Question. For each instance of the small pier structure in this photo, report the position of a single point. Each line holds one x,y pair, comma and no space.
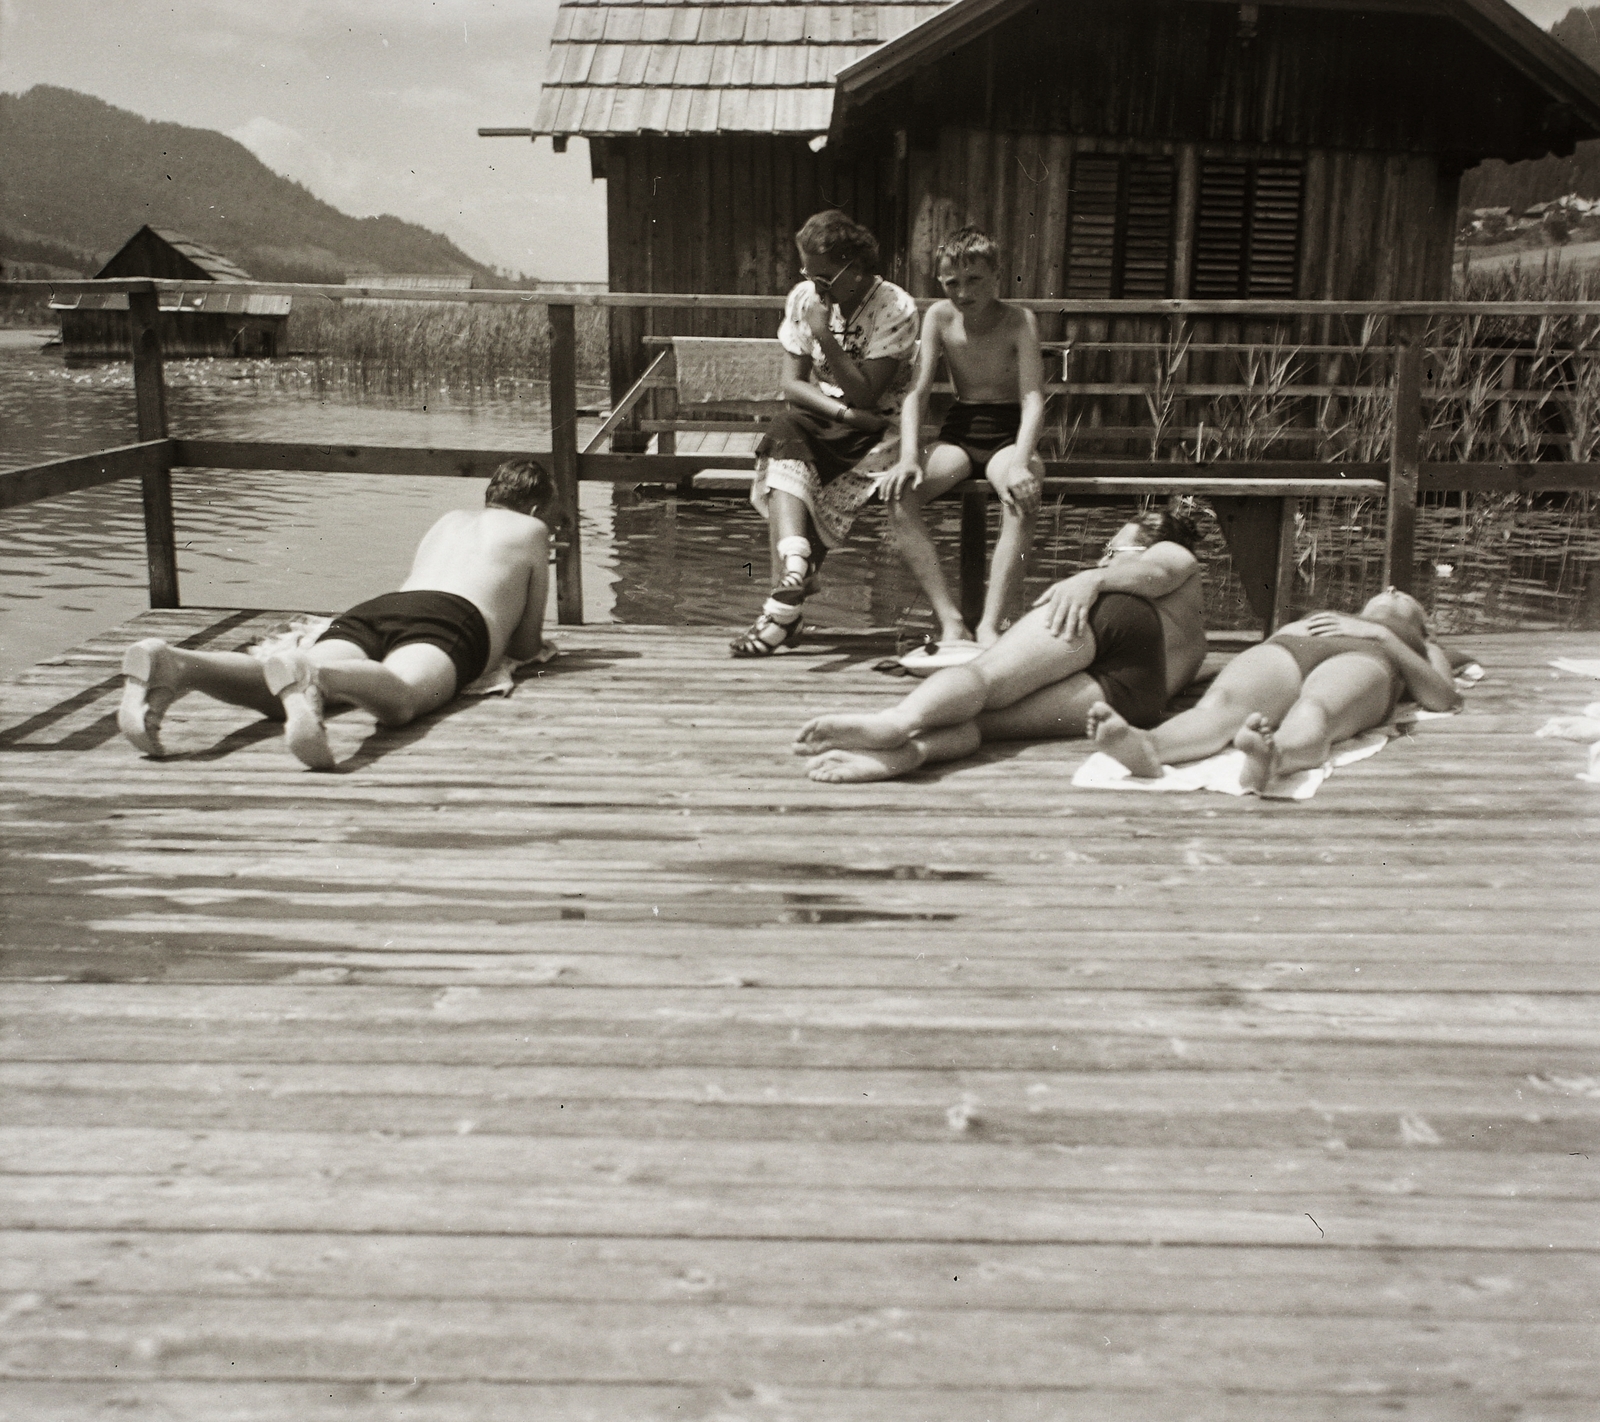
573,1056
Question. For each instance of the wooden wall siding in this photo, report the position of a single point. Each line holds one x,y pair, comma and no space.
718,214
1323,79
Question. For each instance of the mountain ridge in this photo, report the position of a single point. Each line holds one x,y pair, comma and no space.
79,176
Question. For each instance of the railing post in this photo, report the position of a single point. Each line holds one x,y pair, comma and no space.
974,549
1400,538
564,462
1285,566
149,388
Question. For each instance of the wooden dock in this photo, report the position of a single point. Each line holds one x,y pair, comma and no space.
574,1057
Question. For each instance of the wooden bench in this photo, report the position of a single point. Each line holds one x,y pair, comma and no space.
723,391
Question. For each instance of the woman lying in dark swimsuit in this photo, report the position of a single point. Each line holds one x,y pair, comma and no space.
1285,702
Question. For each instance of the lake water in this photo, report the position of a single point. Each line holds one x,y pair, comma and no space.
74,566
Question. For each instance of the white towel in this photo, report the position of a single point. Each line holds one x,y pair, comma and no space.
1580,666
1220,772
304,630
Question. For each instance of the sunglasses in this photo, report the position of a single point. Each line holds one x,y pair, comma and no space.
825,284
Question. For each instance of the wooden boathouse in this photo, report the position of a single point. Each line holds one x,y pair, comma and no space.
1143,148
94,325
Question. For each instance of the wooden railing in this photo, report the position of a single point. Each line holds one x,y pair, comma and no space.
1255,497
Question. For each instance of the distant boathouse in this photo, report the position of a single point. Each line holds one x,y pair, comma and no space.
219,323
1118,148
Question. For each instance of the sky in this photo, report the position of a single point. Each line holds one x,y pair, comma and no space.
372,104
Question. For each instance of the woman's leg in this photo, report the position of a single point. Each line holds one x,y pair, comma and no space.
1058,712
1341,698
945,467
1009,565
1028,657
854,766
1263,679
788,525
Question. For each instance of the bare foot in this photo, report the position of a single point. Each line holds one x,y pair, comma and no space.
954,632
1260,752
987,636
854,767
848,731
1123,743
292,678
152,686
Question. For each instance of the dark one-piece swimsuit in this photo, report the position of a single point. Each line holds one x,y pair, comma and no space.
1311,652
1130,658
443,620
981,430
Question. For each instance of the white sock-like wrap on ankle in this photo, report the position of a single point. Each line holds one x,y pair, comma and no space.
796,554
782,613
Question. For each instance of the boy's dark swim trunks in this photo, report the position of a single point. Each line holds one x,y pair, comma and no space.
1130,658
443,620
981,430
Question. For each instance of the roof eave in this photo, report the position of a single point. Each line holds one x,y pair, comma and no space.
1533,51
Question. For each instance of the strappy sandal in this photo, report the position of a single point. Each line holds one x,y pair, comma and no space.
754,642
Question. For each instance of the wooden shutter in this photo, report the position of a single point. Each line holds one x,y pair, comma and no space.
1274,231
1147,238
1247,230
1120,229
1219,231
1092,227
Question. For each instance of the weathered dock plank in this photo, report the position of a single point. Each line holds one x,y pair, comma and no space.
573,1056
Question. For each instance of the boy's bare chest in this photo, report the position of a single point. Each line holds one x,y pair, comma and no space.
980,352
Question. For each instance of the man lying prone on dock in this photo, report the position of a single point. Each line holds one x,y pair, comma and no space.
476,592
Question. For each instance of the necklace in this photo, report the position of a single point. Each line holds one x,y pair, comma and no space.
865,297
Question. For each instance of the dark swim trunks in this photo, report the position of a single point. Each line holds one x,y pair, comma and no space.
1312,652
1130,659
980,431
443,620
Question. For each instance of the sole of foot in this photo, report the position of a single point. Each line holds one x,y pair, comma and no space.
1125,744
839,767
1260,752
149,690
845,732
292,678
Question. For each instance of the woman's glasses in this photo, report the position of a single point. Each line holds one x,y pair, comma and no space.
824,285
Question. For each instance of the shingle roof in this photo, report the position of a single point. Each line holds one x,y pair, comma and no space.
212,263
709,66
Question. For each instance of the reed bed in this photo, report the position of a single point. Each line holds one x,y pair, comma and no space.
398,347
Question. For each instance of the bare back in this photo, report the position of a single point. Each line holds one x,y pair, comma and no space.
983,352
495,558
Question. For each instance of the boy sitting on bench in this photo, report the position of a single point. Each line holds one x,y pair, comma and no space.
992,351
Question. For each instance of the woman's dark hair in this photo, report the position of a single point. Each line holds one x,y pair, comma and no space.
523,486
832,234
1179,524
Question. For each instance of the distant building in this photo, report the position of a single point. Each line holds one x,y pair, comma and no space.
221,323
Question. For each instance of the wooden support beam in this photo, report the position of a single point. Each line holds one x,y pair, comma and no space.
83,471
1405,457
564,462
1284,573
974,549
150,401
409,460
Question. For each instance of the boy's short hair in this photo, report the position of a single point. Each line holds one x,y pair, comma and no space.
970,244
523,486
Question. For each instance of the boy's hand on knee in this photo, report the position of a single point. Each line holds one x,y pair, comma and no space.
1019,492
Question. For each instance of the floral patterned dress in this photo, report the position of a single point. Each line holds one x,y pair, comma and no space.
830,467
